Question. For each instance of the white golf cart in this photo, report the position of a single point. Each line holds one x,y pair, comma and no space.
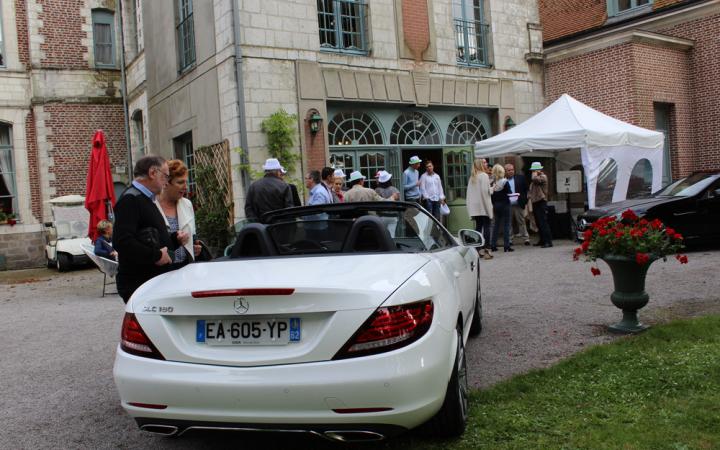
67,233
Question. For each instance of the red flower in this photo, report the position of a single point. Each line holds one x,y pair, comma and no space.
683,259
585,245
678,236
619,234
595,271
670,231
642,258
578,250
656,224
603,232
630,215
11,222
587,234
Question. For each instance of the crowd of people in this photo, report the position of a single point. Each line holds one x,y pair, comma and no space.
154,230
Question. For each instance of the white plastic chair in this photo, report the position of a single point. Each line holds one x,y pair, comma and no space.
108,267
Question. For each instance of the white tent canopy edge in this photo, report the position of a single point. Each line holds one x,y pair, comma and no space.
568,124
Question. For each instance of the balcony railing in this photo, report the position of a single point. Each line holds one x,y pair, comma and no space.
472,41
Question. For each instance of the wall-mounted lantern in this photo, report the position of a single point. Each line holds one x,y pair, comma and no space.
315,120
509,123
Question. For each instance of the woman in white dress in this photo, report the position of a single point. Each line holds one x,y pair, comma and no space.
479,203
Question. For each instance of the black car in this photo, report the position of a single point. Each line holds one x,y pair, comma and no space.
691,206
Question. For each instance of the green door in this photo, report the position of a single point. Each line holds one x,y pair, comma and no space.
456,172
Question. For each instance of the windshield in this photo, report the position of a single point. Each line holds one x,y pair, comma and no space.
359,227
688,187
70,221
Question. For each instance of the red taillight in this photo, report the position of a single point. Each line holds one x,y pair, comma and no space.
389,328
133,339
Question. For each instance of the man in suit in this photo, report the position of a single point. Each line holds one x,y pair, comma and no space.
518,200
136,215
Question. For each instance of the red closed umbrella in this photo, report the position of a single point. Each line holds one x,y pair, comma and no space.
99,194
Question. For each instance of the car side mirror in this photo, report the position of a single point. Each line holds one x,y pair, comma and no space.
471,238
716,193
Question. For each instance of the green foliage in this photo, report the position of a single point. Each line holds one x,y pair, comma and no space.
213,215
657,390
280,129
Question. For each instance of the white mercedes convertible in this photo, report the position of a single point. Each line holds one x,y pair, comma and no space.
347,321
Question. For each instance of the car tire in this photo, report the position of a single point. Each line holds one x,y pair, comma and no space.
476,324
452,418
63,262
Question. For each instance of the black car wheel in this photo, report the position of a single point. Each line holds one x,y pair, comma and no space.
63,262
451,420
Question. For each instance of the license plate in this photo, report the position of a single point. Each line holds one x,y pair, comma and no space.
248,332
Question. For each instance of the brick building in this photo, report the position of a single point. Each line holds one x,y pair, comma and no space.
653,63
59,82
387,79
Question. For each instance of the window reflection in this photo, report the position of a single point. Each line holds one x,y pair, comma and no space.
606,182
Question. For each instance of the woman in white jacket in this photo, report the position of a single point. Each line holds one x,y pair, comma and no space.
178,212
479,202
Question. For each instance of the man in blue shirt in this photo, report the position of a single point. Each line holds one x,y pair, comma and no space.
319,192
411,181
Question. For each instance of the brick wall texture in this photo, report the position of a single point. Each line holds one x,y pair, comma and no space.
626,80
562,18
33,166
315,145
416,28
71,128
62,30
21,23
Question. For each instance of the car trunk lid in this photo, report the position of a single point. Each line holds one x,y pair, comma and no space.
267,311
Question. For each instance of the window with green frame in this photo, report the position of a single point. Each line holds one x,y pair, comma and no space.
104,37
183,148
616,7
342,25
185,34
471,32
7,171
368,162
457,167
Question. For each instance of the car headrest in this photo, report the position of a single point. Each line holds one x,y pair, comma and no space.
368,234
252,241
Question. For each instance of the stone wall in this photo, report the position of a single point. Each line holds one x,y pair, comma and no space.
22,250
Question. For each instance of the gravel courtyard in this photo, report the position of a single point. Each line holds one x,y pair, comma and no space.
59,339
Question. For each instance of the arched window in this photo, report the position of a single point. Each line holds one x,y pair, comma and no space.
640,184
7,171
414,128
606,182
465,129
354,128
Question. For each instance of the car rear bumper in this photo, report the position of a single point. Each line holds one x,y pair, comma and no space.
411,381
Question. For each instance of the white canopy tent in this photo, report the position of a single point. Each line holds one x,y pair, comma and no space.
568,124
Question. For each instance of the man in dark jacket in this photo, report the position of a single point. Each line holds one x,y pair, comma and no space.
269,193
518,200
141,237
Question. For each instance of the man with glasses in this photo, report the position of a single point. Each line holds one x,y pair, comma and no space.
141,237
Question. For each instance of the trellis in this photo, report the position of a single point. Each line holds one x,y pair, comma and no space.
214,193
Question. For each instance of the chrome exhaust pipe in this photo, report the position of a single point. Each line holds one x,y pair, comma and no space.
161,430
353,436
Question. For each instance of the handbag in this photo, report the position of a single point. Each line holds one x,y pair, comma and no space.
445,209
205,254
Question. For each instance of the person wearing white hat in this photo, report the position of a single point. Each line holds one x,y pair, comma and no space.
411,180
385,188
538,196
269,193
359,193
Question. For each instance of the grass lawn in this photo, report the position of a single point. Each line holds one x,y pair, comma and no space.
657,390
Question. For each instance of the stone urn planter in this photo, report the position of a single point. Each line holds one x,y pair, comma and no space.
629,294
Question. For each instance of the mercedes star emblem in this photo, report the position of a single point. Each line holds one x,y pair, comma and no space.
241,305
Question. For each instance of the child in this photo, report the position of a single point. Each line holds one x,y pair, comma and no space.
103,244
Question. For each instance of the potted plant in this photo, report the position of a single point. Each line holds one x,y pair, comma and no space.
629,244
7,218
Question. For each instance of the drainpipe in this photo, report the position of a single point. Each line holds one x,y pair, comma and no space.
123,90
240,85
